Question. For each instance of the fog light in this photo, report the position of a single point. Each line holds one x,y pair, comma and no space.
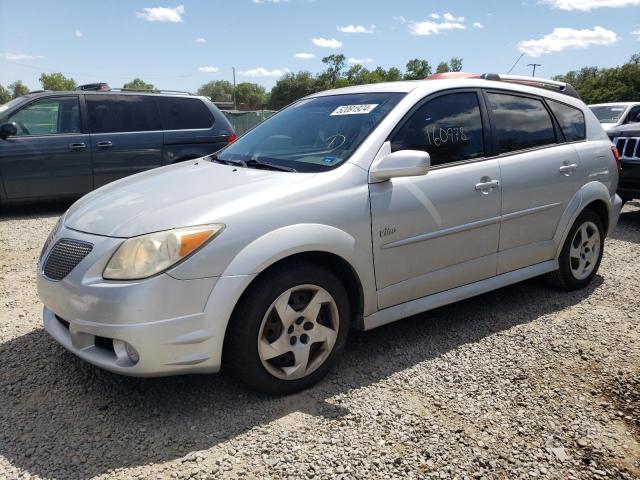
132,353
126,354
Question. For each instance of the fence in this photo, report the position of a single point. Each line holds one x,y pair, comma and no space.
245,121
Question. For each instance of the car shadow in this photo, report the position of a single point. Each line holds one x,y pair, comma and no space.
63,418
23,211
628,223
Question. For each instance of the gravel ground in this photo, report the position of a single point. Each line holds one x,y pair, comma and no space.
523,382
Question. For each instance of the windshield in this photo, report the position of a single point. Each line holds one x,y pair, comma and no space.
6,106
608,113
315,134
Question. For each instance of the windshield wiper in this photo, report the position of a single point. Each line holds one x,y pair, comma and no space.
272,166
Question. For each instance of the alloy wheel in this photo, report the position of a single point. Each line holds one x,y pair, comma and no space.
585,250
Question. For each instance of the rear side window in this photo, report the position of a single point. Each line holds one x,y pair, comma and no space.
520,122
122,113
50,116
571,120
184,113
448,127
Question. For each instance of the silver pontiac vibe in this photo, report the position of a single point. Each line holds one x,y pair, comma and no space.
350,208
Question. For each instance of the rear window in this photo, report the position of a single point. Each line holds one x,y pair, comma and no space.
608,113
520,122
122,113
571,120
184,113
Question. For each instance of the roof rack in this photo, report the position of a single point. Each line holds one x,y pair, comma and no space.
554,85
155,90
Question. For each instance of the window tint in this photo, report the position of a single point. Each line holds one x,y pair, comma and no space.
184,113
634,115
122,113
48,117
520,122
571,120
449,128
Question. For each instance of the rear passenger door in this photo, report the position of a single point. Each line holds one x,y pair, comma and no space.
126,135
539,177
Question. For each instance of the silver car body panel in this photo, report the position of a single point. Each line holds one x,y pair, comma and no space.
414,243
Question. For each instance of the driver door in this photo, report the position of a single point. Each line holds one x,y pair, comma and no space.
50,156
438,231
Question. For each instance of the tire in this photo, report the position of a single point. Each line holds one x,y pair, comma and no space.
291,313
575,254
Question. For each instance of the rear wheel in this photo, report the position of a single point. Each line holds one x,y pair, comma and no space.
581,254
289,329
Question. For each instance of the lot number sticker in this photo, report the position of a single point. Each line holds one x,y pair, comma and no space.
354,109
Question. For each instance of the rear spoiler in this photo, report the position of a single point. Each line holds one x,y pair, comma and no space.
560,87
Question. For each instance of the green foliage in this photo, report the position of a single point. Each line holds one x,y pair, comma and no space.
57,82
335,65
417,69
5,95
251,94
291,87
138,84
217,91
443,67
455,64
598,85
18,89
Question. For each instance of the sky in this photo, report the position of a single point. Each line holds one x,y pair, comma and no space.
182,44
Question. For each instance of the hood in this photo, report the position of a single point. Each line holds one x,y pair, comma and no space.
628,130
181,195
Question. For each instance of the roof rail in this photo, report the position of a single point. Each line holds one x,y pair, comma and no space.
155,90
554,85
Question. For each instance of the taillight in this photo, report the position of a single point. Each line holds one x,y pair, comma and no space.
232,138
616,155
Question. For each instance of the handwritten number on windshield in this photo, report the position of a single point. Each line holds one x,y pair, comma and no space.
439,136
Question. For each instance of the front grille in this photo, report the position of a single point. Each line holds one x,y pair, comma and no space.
65,255
628,147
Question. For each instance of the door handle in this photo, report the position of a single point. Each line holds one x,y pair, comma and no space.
486,185
567,170
77,146
105,144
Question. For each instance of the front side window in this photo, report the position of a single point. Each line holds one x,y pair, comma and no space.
184,113
51,116
520,122
448,127
122,113
571,120
633,116
314,134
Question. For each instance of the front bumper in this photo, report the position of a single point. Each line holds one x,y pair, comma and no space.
163,318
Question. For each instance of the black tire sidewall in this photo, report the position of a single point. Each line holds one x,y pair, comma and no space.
566,274
242,346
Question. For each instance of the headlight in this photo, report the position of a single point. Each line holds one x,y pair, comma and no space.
147,255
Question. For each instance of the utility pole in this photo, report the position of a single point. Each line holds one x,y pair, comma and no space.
235,107
534,65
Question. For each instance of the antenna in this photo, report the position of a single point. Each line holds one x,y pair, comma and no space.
516,62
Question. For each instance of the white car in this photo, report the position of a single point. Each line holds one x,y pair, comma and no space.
350,208
613,114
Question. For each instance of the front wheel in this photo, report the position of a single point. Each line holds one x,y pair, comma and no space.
289,329
581,254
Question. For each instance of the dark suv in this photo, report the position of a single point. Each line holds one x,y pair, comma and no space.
65,144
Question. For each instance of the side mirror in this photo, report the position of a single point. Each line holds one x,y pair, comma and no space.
403,163
8,130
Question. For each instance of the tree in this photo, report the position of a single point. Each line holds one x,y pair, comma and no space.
57,82
455,64
217,91
335,65
291,87
5,95
417,69
251,94
443,67
393,75
138,84
18,89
